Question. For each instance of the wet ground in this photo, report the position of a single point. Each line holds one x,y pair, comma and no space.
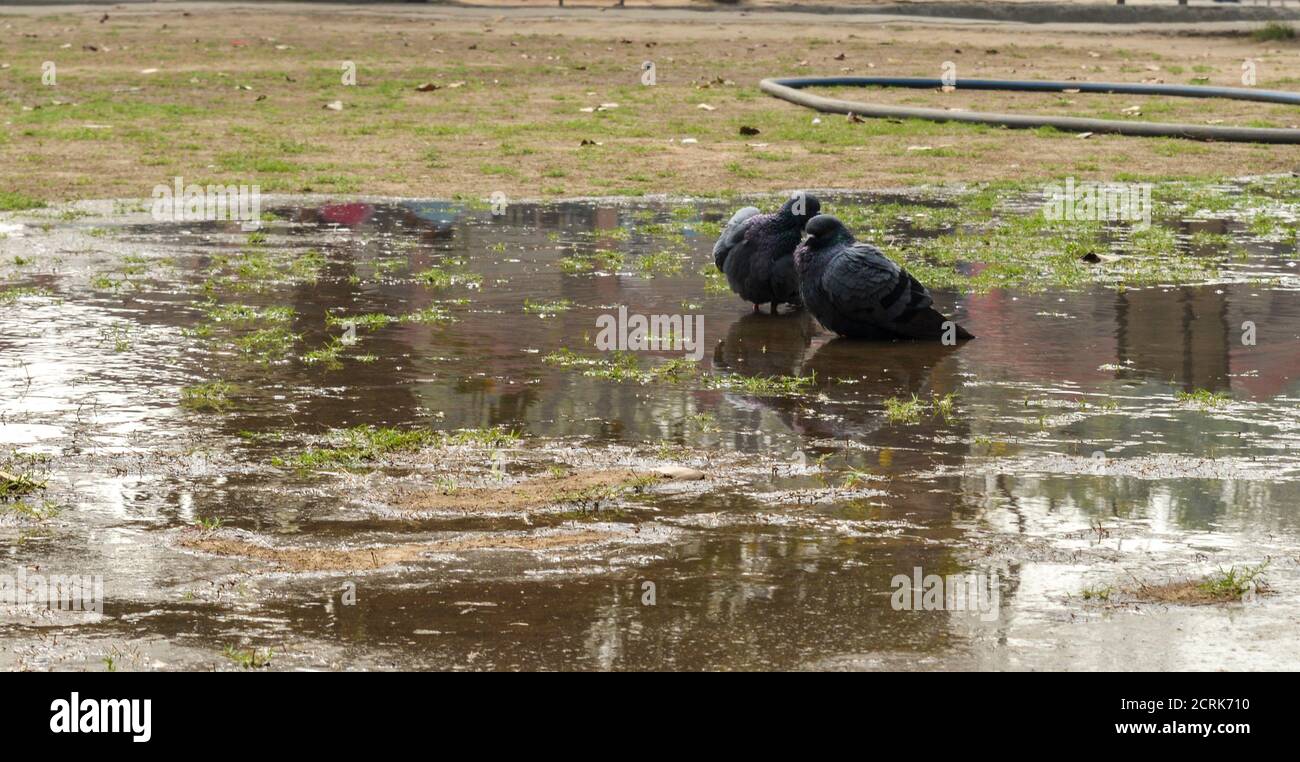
188,394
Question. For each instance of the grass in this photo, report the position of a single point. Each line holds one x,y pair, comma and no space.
432,314
403,142
118,335
626,367
547,309
939,237
1229,585
760,386
1274,31
14,486
1203,398
444,277
899,410
593,501
213,396
362,445
262,436
21,477
618,366
257,270
12,201
715,282
856,478
1233,583
248,658
944,406
330,355
243,315
603,260
44,511
12,295
1016,251
663,262
590,507
907,411
371,321
489,437
990,445
268,344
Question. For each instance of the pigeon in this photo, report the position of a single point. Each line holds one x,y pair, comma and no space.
756,251
856,291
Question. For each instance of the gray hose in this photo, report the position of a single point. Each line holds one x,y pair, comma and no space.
789,89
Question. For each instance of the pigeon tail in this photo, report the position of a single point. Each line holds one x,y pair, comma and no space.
930,324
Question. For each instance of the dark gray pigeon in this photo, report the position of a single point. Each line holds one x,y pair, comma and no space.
856,291
756,251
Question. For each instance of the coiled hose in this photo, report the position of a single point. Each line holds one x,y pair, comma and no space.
788,88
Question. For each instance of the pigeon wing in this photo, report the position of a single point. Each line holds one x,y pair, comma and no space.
866,286
871,289
733,235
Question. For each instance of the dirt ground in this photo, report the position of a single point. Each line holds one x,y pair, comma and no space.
360,559
547,105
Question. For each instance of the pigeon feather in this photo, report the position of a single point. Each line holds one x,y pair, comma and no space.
854,290
756,251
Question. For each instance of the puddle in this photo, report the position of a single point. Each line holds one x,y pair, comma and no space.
326,437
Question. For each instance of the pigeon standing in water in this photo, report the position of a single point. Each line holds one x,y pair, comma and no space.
856,291
756,251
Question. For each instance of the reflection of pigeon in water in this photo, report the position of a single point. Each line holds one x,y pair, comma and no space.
856,291
756,345
756,251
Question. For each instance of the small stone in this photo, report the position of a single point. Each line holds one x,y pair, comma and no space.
679,473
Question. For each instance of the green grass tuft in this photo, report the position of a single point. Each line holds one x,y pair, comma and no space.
1234,582
1274,31
11,201
362,445
214,396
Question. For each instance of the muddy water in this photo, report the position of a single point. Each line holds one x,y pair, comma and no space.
1067,462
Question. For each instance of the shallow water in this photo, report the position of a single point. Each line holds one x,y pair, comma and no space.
1066,463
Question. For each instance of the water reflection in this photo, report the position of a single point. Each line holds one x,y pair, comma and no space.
748,581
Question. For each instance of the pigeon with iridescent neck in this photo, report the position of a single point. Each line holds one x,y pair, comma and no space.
756,251
854,290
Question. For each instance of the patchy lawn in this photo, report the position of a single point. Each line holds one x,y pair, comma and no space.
515,104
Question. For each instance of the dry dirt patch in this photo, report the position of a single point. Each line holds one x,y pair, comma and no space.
539,492
377,557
